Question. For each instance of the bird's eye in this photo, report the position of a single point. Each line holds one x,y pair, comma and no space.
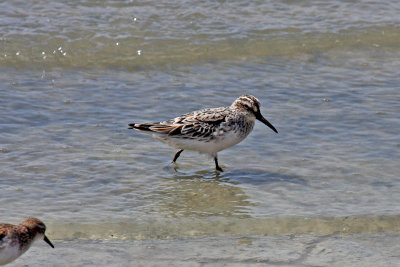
251,108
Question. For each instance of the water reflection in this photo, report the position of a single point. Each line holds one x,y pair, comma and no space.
260,177
209,193
203,193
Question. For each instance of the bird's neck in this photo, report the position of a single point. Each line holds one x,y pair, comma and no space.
26,237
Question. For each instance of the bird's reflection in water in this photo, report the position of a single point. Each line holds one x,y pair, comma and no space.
203,193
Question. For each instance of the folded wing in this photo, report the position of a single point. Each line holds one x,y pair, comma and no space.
195,125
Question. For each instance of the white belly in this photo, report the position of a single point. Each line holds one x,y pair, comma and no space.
9,253
211,147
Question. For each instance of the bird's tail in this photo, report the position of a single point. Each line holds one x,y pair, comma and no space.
156,127
140,126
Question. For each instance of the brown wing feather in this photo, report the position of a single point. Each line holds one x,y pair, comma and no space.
197,124
4,231
156,127
200,124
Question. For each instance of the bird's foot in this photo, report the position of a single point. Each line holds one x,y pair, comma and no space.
218,168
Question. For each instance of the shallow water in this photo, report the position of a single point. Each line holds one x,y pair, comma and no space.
73,75
371,249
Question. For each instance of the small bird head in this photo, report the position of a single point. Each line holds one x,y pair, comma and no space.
38,228
252,105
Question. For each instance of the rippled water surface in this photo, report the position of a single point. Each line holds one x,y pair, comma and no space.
73,75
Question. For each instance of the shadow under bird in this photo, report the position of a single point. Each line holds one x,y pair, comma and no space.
15,240
208,131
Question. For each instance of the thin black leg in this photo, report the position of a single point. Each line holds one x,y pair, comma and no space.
177,154
216,165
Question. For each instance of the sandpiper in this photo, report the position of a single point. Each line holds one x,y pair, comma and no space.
208,130
15,240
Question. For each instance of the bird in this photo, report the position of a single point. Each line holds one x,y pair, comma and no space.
15,240
208,131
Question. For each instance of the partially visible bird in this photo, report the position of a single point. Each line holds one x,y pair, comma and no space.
15,240
208,131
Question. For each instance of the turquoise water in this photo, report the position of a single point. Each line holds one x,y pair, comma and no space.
73,75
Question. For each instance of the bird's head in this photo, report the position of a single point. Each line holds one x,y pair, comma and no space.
251,104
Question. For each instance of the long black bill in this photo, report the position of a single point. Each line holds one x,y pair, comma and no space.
264,120
48,241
